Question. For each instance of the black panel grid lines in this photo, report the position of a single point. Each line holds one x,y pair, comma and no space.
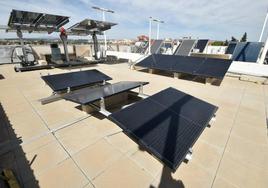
89,95
60,82
197,66
167,124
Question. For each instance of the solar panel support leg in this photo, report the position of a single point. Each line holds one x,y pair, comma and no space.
54,97
141,94
188,156
209,80
151,71
213,119
102,108
177,75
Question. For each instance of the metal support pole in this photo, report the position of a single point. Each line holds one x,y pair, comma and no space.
104,34
96,45
263,27
20,35
150,31
157,35
264,52
65,47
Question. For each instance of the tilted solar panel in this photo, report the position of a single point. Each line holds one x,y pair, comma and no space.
201,44
185,47
247,51
156,46
89,95
166,124
60,82
231,47
199,66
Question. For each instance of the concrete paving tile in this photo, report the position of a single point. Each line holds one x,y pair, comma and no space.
78,136
123,173
221,183
41,159
95,159
253,133
122,142
248,152
206,155
104,126
187,175
64,175
242,175
147,162
217,134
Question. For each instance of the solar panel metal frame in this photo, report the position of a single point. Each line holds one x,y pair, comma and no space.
35,22
89,26
86,96
74,79
138,122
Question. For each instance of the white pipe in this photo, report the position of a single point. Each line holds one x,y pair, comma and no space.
263,27
157,35
264,52
150,30
104,34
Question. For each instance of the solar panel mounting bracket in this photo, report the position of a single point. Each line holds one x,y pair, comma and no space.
188,156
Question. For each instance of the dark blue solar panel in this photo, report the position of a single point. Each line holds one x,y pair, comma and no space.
200,66
60,82
201,44
167,124
215,68
156,45
247,51
231,47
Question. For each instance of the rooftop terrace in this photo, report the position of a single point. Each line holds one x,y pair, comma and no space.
58,145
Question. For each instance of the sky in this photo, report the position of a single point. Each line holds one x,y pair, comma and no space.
212,19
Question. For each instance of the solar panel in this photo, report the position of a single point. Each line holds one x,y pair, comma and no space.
89,95
213,67
156,46
247,51
185,47
167,124
88,26
231,47
35,22
60,82
199,66
201,44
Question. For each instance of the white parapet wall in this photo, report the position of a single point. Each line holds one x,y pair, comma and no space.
246,68
133,57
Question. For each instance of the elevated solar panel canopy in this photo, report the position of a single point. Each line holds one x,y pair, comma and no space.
35,21
88,27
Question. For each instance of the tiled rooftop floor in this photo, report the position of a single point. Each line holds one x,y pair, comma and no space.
94,152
